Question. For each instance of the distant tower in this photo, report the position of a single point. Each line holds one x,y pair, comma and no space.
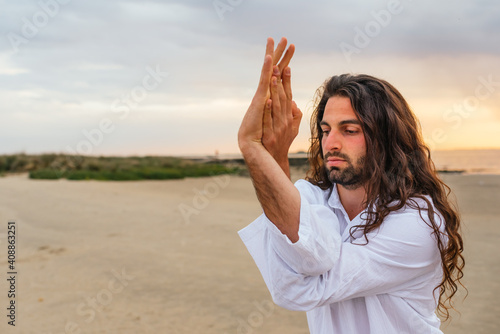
216,155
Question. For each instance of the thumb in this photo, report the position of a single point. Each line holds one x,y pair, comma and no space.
296,113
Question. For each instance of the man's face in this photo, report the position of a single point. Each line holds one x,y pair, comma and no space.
343,143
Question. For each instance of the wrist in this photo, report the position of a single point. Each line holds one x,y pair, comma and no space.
282,159
250,148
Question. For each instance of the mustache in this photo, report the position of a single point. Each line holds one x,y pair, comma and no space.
338,155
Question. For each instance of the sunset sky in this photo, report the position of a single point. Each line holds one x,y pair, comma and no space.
158,77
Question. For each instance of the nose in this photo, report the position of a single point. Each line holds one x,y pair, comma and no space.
332,142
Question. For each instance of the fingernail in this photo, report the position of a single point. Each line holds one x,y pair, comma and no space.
288,71
274,80
276,70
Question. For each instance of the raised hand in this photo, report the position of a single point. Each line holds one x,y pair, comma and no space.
273,119
282,116
250,132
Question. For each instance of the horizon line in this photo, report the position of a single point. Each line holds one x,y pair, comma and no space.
221,155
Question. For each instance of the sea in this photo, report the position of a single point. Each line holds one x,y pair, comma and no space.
470,161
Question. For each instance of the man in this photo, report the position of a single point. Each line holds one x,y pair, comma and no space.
369,243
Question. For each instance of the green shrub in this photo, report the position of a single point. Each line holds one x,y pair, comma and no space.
207,170
55,166
48,174
160,174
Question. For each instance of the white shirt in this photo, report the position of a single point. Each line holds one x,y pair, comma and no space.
345,286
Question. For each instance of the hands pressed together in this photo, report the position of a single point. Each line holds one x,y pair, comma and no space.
273,118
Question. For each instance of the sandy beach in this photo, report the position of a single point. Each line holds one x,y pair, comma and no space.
165,257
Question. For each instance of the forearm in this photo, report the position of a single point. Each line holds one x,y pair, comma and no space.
285,166
277,195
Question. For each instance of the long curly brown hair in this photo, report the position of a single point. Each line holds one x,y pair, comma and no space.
398,167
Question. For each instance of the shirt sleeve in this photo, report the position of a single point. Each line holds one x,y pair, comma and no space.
319,242
320,269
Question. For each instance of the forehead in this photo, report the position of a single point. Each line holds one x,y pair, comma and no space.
338,109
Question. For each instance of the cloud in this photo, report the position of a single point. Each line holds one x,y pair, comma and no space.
65,78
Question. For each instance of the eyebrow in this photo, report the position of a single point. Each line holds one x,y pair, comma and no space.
344,122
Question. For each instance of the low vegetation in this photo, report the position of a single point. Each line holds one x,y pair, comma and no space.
56,166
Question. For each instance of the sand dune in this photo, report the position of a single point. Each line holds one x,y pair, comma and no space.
164,257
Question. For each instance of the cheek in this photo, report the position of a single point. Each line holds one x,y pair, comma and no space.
323,140
360,145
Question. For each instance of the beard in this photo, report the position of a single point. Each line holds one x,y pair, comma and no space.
351,176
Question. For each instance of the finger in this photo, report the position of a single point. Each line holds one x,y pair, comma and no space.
265,77
286,58
270,46
297,117
279,50
267,122
276,107
281,112
284,103
287,84
287,92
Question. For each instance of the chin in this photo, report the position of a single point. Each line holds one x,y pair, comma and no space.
329,169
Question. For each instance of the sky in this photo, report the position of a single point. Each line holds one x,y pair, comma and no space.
150,77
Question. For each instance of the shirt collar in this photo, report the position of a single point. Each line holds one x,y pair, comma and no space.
335,203
334,200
